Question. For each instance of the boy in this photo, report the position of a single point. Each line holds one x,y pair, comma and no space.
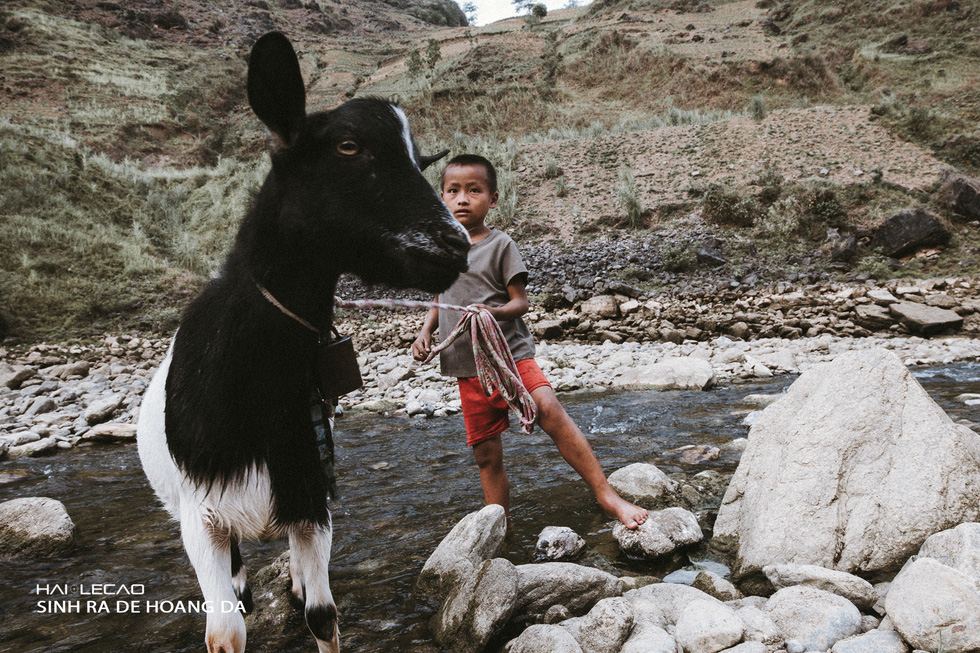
496,281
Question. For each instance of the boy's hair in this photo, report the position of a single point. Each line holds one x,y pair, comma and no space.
472,160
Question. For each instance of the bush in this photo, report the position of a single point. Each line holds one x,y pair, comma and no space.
824,208
629,198
757,108
726,207
678,257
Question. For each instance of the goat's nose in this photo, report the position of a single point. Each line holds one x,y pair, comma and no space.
455,240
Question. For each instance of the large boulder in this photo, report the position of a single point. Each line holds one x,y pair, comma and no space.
476,538
908,231
602,306
605,627
856,590
670,374
935,599
662,604
852,470
664,532
576,587
874,641
708,627
35,527
925,320
811,619
962,196
544,638
478,609
558,543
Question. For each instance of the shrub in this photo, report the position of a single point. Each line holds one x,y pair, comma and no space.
824,208
629,198
726,207
552,170
678,256
757,108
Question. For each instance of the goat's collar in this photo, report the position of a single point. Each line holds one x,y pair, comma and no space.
275,302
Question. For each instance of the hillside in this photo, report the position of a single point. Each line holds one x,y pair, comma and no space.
127,152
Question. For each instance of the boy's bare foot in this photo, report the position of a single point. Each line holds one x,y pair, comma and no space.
619,508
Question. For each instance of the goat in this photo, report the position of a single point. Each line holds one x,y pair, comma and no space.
225,432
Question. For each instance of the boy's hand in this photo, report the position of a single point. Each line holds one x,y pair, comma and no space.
492,309
422,346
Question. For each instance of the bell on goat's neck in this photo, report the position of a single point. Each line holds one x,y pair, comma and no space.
337,368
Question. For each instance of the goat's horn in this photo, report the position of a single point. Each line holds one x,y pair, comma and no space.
426,161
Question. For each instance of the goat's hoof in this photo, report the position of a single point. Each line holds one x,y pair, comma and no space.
226,637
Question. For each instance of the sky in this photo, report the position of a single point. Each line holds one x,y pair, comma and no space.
488,11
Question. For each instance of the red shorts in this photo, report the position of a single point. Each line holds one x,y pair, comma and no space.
486,416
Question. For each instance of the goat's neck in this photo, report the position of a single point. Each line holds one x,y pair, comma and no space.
310,297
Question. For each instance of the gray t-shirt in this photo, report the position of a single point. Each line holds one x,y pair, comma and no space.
494,263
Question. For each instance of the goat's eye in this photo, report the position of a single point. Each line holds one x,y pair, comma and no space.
348,148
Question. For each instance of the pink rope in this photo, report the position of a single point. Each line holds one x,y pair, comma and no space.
495,364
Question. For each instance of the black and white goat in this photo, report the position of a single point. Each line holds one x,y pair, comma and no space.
225,432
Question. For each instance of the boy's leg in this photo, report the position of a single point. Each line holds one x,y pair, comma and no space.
489,456
575,449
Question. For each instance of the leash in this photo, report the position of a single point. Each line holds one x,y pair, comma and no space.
495,364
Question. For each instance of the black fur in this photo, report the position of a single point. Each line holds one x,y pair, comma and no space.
239,384
322,621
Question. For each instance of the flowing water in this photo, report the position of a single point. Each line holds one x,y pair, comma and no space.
404,484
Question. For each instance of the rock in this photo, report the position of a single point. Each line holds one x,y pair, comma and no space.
4,448
716,586
543,638
661,604
811,619
274,620
393,378
548,329
578,588
103,409
35,527
856,590
759,626
40,405
908,231
662,533
558,543
478,609
958,548
12,378
873,316
875,641
669,374
600,307
477,537
643,484
934,606
111,432
708,627
33,449
925,320
747,647
380,406
961,195
649,638
604,628
696,454
852,470
881,296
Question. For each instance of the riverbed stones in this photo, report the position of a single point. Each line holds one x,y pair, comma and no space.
663,533
40,447
111,432
962,196
933,605
576,587
13,377
544,638
558,543
708,627
476,538
670,374
714,585
873,316
35,527
644,484
759,626
477,609
601,306
852,470
103,409
874,641
925,320
856,590
811,619
647,637
604,628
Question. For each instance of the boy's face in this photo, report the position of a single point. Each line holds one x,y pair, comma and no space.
466,192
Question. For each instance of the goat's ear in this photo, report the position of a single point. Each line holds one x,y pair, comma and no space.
275,88
426,161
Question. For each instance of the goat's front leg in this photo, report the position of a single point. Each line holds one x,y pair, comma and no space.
309,557
209,549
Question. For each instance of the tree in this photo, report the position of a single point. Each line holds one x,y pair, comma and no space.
469,9
433,54
414,64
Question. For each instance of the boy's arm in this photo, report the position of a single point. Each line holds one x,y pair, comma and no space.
423,343
515,307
